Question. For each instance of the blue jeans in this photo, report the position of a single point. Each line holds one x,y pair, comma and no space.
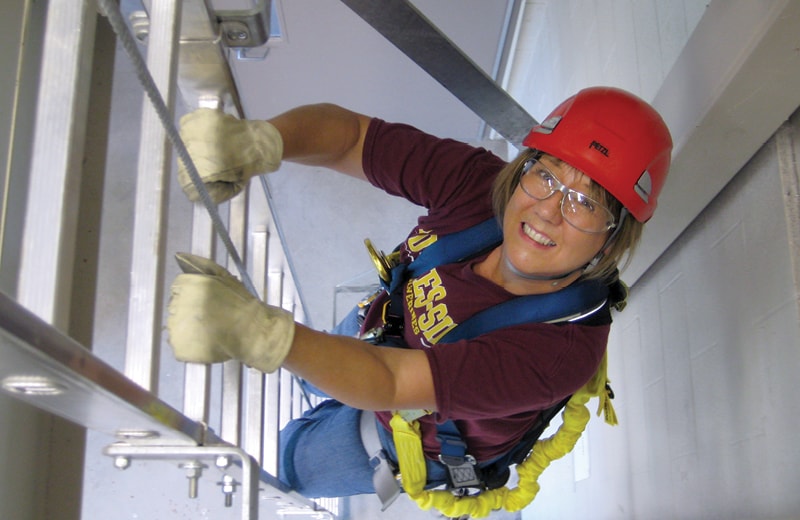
322,454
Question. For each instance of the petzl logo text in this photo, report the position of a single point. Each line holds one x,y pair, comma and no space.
599,147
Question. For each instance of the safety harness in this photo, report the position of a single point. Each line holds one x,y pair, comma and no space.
531,455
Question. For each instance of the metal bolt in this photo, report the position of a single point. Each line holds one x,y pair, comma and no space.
33,385
194,470
228,489
236,31
136,434
140,24
222,461
122,462
237,35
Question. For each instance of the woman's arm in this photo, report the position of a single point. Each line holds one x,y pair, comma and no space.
227,152
324,135
360,374
212,317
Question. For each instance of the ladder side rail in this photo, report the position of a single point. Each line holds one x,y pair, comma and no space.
270,444
308,400
275,276
272,382
231,413
285,403
256,407
275,267
149,228
49,226
48,239
288,302
232,378
197,376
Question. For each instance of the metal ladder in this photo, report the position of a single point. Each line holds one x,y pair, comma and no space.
41,365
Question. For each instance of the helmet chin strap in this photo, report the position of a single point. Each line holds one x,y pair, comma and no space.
544,278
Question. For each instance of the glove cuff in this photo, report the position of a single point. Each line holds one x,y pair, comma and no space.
270,338
268,146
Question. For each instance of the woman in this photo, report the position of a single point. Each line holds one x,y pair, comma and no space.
570,208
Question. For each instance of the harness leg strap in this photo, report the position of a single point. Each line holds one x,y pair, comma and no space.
386,485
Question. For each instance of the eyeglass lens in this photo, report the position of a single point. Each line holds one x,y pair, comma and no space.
578,209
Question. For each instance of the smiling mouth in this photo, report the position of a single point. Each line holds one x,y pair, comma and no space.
537,237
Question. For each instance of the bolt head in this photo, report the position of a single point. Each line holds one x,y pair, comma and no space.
122,462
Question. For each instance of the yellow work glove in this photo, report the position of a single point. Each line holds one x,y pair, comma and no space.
213,318
227,152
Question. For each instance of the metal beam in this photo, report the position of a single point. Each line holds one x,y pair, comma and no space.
736,81
152,189
241,476
53,192
49,370
408,29
787,146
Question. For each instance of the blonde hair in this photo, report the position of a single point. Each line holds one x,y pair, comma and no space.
627,237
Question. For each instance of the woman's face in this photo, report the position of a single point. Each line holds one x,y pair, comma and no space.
537,241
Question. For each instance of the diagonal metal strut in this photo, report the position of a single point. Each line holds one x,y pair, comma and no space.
411,32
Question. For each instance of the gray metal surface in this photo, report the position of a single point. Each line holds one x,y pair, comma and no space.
786,141
203,70
42,366
49,236
410,31
51,213
239,476
152,188
247,27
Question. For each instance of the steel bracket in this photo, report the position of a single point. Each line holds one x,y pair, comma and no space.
240,476
245,28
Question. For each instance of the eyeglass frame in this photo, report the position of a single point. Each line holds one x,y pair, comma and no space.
565,193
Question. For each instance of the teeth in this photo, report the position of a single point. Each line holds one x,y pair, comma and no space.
537,237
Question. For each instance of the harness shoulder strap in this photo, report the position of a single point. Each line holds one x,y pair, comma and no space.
459,246
450,248
572,302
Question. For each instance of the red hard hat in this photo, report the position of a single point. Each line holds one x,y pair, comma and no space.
616,139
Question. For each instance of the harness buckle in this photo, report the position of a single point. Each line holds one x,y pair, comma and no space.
461,470
460,465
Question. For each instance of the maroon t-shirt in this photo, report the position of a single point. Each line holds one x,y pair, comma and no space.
495,385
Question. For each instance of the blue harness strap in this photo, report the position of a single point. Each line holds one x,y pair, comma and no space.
456,247
571,301
471,242
447,249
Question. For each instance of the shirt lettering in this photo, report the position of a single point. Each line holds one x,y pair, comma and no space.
429,315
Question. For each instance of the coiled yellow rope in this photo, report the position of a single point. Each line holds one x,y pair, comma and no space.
408,441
